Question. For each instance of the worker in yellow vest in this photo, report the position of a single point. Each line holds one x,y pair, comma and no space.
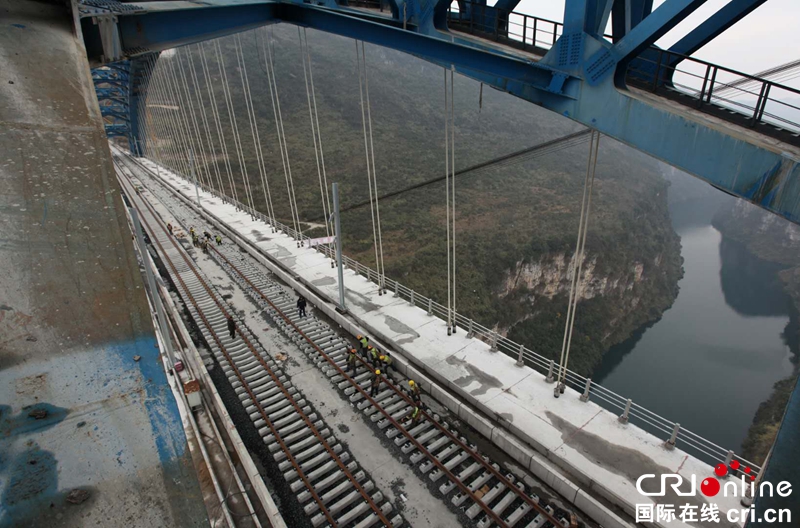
374,356
352,361
363,342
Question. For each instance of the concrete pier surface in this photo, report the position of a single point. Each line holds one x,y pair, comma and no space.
579,448
84,400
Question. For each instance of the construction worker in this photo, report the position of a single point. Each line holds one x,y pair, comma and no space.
169,228
363,343
376,383
195,240
204,245
352,361
207,235
231,327
386,362
191,231
301,306
373,356
416,396
218,239
414,415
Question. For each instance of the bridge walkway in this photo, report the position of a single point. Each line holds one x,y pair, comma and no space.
579,448
77,410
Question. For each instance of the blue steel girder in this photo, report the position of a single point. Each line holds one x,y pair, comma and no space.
606,60
506,5
709,29
626,15
737,162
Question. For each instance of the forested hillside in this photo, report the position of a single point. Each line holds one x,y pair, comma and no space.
516,226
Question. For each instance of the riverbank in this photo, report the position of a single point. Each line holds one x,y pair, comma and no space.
775,240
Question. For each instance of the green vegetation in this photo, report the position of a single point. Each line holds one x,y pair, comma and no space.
506,218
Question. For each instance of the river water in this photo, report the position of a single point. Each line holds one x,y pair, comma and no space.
714,355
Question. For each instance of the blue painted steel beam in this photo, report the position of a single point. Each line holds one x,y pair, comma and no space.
653,27
506,5
627,14
711,28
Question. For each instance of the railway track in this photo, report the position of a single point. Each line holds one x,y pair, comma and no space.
322,474
472,483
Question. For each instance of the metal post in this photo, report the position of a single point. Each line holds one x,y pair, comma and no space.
658,70
338,234
469,331
703,89
396,288
405,18
520,361
550,378
151,284
494,342
728,459
524,30
670,444
412,298
194,177
711,86
754,120
430,306
624,417
585,395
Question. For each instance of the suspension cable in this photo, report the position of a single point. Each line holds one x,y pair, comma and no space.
265,177
238,52
382,270
282,134
453,181
184,120
267,70
369,169
325,213
231,114
251,116
319,131
204,118
576,285
192,112
447,194
217,121
173,121
170,121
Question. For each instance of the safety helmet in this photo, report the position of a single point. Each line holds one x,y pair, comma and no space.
369,347
378,372
359,337
411,382
382,358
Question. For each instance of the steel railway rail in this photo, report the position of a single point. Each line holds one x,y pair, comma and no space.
482,490
315,465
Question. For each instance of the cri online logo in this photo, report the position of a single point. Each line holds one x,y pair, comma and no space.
710,486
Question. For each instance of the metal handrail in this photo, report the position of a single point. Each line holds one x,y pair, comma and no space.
655,424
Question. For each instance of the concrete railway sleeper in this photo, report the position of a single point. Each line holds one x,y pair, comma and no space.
485,493
329,485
